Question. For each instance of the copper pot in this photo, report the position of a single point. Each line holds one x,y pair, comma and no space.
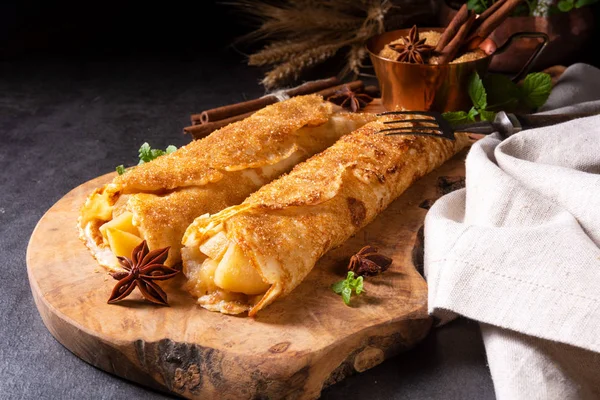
568,34
406,86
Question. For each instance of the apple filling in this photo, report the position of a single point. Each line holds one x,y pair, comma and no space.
109,227
219,274
121,235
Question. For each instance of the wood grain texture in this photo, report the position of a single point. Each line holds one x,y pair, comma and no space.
292,349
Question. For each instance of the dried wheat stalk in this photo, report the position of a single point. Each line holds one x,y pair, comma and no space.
278,52
303,33
291,70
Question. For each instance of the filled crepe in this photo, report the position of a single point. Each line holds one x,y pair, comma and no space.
158,200
246,256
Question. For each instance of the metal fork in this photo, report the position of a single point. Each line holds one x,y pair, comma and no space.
506,124
438,127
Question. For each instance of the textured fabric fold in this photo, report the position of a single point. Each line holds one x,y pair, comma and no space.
518,251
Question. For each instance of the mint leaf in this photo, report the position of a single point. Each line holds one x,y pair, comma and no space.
502,93
565,5
120,169
338,286
583,3
156,153
477,92
536,88
358,288
472,114
487,115
170,149
456,117
346,293
145,153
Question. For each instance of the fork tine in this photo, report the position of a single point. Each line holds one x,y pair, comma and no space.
437,124
429,113
441,136
405,121
412,128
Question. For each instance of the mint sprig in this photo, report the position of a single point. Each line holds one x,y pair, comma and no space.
496,92
568,5
347,286
478,96
147,154
532,7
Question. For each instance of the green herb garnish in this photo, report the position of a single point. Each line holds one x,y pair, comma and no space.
532,8
568,5
496,92
148,154
536,89
348,285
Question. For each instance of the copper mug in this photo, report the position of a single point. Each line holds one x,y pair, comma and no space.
429,87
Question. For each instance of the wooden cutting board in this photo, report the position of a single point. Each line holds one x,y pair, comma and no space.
293,349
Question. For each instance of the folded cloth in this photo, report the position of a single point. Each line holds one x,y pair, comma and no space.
518,250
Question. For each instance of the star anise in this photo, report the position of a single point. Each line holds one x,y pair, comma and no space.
141,270
367,262
347,98
413,50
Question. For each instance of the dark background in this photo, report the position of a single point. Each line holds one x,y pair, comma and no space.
111,30
128,30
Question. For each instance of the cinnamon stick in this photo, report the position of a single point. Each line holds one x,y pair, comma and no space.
232,110
312,87
488,25
244,107
453,27
486,13
451,50
202,130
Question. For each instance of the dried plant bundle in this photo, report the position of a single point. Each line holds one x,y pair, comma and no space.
292,69
278,52
300,34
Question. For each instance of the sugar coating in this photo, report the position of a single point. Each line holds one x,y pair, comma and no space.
263,138
432,38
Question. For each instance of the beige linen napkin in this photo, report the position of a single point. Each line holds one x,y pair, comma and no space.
518,251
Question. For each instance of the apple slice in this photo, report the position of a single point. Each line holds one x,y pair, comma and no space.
123,222
122,243
216,246
234,273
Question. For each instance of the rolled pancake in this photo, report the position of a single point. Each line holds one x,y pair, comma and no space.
246,256
158,200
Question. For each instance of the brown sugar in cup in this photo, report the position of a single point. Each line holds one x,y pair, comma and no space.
432,38
424,87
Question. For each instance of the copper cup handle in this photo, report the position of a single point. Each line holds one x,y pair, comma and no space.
534,56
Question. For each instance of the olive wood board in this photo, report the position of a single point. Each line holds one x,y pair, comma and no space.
292,349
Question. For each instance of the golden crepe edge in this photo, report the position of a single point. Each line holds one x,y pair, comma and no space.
280,231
